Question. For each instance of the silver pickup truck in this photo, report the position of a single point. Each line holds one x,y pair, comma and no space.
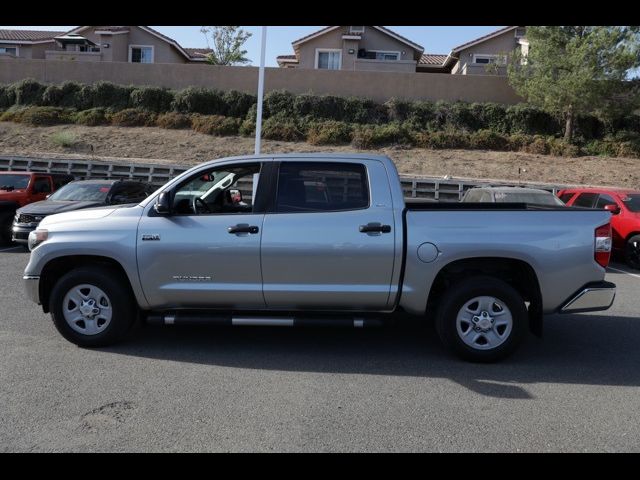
317,240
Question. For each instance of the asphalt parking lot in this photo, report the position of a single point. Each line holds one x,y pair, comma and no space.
260,389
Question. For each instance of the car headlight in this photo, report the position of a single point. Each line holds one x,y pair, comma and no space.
37,237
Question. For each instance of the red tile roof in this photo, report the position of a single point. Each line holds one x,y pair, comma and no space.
384,29
287,57
432,59
198,52
28,35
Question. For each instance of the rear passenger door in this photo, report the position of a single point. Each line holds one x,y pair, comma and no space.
328,239
586,200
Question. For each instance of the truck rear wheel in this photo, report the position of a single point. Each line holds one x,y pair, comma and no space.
482,319
6,223
92,307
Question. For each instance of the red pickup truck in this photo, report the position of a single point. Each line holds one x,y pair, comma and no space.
624,206
18,188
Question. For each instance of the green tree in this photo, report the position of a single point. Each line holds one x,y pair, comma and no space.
226,45
571,71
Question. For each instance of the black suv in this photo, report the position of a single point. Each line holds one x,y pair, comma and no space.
75,196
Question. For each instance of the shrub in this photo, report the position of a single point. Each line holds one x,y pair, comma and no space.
367,136
154,99
488,140
238,104
91,117
63,95
215,124
248,127
559,147
12,114
519,141
462,116
199,100
442,139
537,145
7,96
132,117
42,116
173,120
279,102
107,95
28,92
330,132
63,139
278,128
523,118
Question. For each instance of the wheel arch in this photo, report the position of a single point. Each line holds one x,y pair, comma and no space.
57,267
518,273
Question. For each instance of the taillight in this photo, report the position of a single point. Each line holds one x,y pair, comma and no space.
602,246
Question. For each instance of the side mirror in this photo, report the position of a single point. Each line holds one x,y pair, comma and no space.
163,204
613,208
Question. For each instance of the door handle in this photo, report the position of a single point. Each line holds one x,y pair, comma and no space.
375,228
243,228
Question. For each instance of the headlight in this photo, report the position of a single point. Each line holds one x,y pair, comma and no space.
37,237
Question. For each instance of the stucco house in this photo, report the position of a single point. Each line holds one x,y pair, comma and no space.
134,44
378,48
356,48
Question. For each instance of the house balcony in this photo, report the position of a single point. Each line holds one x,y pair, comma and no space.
74,56
483,69
385,65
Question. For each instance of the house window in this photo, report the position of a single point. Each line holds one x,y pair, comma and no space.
520,32
328,59
141,53
9,50
489,59
356,29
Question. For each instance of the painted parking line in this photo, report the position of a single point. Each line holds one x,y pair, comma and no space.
10,248
624,271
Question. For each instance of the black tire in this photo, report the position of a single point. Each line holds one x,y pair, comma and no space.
632,252
458,295
123,306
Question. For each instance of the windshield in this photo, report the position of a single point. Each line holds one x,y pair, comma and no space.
14,182
529,197
632,202
82,192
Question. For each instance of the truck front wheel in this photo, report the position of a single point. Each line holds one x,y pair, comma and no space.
482,319
632,252
92,307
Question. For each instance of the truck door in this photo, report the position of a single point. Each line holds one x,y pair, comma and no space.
206,252
328,239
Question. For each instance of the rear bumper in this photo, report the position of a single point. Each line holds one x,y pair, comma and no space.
592,297
32,287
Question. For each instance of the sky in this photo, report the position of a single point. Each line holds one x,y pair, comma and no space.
435,39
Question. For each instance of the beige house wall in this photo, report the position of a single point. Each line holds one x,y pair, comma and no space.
502,44
372,39
379,86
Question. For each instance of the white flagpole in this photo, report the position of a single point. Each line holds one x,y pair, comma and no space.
260,92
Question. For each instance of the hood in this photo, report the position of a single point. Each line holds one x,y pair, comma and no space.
49,207
77,216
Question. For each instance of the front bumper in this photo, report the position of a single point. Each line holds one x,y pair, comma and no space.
592,297
32,287
20,233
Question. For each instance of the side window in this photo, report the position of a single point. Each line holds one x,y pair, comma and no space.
565,197
42,185
321,187
128,193
585,200
473,196
605,199
221,190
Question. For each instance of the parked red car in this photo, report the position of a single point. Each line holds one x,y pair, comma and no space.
624,206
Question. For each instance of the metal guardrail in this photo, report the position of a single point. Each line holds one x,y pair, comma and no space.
428,188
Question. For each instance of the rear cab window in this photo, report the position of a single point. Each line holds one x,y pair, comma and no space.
321,187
